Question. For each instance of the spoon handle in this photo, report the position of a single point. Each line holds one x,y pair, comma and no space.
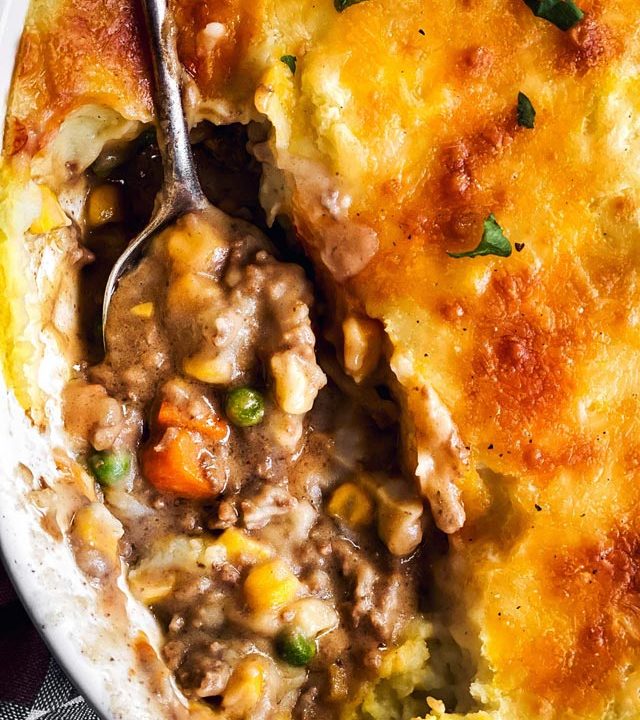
181,191
181,188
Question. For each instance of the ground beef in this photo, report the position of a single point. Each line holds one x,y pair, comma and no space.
211,308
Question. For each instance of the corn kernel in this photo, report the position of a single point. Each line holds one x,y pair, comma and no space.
96,528
242,548
143,310
51,214
245,687
192,245
437,706
311,616
294,391
352,505
270,586
179,244
214,370
104,205
192,291
150,590
362,346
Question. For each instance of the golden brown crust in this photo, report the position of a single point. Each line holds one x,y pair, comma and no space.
213,66
75,53
535,355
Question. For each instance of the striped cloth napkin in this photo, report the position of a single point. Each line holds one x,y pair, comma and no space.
32,686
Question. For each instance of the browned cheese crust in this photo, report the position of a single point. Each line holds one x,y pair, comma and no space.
409,110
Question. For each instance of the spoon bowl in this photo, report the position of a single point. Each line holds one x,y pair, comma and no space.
181,192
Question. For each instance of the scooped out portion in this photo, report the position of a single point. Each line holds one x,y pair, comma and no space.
266,522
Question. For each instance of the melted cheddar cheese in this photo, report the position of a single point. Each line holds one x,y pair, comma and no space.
74,54
389,146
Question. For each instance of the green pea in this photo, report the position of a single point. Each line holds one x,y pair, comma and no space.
245,407
108,467
294,648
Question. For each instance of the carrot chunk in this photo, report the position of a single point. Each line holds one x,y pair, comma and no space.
211,427
173,465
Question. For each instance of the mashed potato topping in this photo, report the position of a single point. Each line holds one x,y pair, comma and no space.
387,145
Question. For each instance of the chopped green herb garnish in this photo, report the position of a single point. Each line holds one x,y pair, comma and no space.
564,14
526,111
341,5
493,242
290,61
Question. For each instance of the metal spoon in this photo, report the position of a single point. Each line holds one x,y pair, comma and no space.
181,192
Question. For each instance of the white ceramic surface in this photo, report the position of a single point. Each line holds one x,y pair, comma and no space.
12,14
